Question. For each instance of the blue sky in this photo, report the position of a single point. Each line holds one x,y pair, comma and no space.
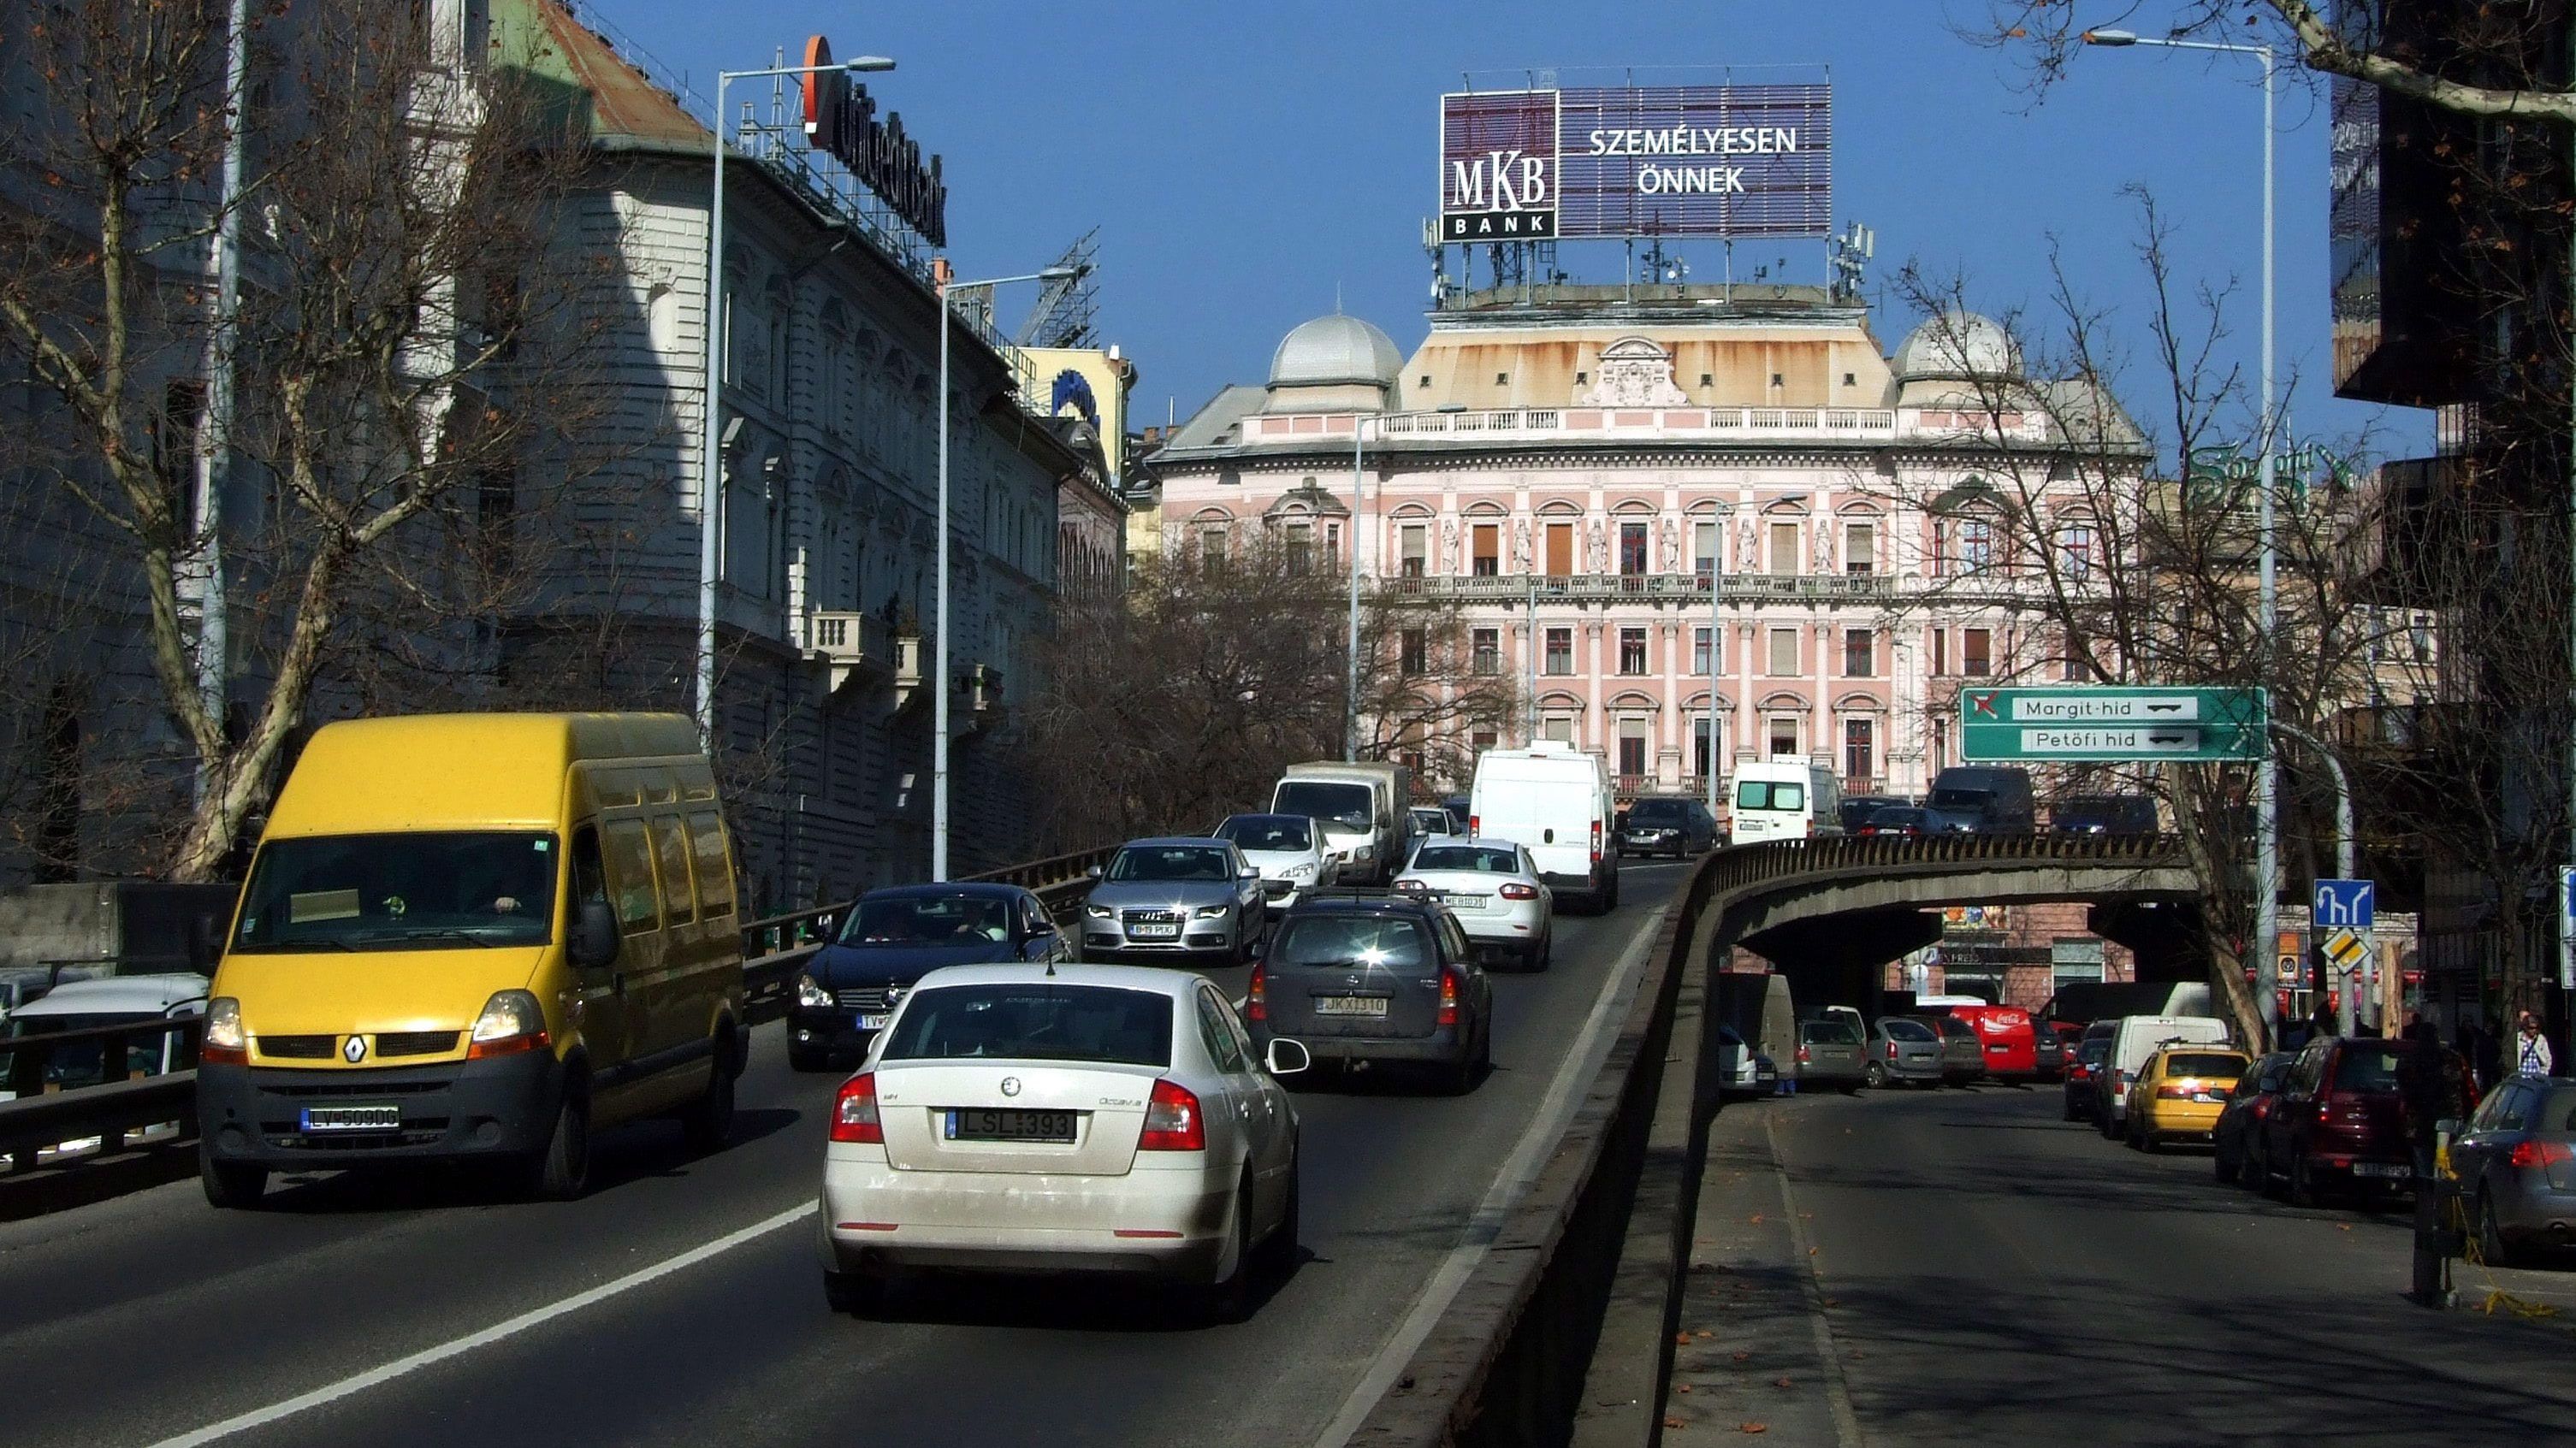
1245,160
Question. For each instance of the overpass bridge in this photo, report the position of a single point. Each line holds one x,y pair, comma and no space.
1489,1268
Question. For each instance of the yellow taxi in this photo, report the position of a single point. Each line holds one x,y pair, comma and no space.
2179,1093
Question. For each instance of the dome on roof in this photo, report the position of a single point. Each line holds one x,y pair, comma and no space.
1335,350
1957,345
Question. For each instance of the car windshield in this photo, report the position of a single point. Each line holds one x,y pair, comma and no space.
2366,1068
1365,940
1483,859
1034,1022
1170,862
1956,798
1901,1030
2204,1063
928,920
1769,794
1828,1033
80,1063
1343,804
1659,811
425,891
1268,832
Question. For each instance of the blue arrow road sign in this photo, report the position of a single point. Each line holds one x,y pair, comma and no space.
2342,902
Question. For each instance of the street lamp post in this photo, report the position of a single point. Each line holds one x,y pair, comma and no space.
710,470
944,283
1351,696
2267,850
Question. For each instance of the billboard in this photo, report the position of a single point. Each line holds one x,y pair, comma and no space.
1679,161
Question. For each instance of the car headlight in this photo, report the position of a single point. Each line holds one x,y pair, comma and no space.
224,1025
1211,912
1098,912
1364,852
511,1022
810,992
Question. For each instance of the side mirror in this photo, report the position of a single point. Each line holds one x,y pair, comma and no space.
1093,872
1248,872
594,936
1259,947
1287,1058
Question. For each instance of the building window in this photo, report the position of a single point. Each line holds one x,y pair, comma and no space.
1632,549
1777,380
1560,651
1700,757
1976,544
1212,550
1482,740
1784,653
1415,654
1632,748
1858,649
1703,640
1940,652
1784,549
1414,552
1976,647
1858,755
1332,544
2076,544
1707,544
1632,651
1301,549
1559,727
1487,558
1850,380
2072,670
1860,548
1560,549
1486,649
1784,736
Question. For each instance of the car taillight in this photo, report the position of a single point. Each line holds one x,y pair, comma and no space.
1172,1120
1596,842
1475,825
1448,997
1891,1049
2173,1091
1256,996
2540,1153
854,1111
1518,891
1802,1055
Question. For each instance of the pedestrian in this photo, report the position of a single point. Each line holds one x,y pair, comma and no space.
2531,1050
2418,1028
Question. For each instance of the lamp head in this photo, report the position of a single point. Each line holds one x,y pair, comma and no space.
1059,273
867,62
2113,38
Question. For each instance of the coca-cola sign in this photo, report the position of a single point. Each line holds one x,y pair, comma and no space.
841,121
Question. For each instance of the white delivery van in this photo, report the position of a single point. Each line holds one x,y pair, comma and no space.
2131,1045
1555,800
1785,799
1362,808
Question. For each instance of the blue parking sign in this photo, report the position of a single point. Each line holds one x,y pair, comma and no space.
2348,903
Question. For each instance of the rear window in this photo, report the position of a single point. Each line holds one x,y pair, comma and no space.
1828,1033
1366,940
1769,794
2204,1063
2366,1068
1957,1029
1034,1022
1906,1030
2094,1049
1463,857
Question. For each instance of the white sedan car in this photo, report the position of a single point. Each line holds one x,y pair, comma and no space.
1493,887
1108,1119
1289,850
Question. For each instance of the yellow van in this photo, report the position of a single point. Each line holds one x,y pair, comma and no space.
476,936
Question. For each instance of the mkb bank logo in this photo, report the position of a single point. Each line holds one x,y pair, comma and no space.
1498,166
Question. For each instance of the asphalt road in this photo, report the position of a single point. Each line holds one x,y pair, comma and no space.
149,1318
1995,1275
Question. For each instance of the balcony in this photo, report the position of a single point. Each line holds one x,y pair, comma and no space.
856,647
1746,588
907,669
978,705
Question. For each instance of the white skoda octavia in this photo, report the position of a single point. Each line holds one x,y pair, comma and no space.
1085,1119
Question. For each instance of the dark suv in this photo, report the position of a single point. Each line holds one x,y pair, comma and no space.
2340,1118
1667,826
1361,977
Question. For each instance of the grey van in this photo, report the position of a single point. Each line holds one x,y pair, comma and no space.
1980,799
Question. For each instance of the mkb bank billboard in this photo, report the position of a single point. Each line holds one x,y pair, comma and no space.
1718,161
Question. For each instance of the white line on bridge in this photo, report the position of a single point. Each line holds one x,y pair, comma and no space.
1547,1125
360,1382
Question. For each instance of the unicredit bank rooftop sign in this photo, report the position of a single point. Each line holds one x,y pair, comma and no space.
841,121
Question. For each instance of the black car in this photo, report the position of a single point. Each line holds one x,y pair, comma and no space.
1667,826
1368,977
2103,814
1857,808
894,937
2083,1070
2240,1122
1980,799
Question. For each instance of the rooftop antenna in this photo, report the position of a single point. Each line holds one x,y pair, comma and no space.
1847,259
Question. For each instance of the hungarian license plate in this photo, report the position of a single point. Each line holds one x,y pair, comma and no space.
1155,932
2206,1098
874,1022
352,1118
983,1124
1370,1006
2377,1169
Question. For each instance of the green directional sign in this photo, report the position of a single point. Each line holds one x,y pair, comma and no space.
2110,723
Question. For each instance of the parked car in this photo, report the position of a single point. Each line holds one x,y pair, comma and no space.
22,985
1102,1118
1431,820
2007,1040
2516,1164
1857,808
1902,1048
1288,850
1963,1051
2103,814
2234,1141
1493,888
1555,801
1784,799
1173,899
1980,799
892,938
81,1005
2047,1052
2179,1094
2133,1040
2341,1121
2083,1076
1831,1053
1668,826
1375,979
1902,820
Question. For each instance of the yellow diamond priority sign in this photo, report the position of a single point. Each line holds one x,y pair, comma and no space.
2345,949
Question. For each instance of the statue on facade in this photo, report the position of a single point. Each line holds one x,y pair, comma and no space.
1600,550
1824,547
1673,547
1745,538
1521,543
1449,547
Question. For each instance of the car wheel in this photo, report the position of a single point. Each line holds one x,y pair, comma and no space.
2493,1249
709,1123
1279,1249
855,1294
1876,1075
2223,1165
560,1171
232,1185
1229,1299
2303,1182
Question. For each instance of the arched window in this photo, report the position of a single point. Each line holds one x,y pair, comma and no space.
775,305
840,370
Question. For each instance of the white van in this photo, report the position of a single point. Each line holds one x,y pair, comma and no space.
1785,799
1361,807
1556,801
2131,1045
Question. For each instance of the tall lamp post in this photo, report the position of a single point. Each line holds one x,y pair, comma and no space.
2267,850
946,283
710,468
1351,694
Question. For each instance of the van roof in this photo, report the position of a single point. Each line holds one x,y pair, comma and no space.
117,995
452,771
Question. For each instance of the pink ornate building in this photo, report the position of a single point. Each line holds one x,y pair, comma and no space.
1717,510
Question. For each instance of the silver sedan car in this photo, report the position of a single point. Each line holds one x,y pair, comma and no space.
1902,1048
1493,888
1084,1119
2516,1161
1288,850
1177,899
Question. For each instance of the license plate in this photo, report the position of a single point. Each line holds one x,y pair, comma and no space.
874,1023
981,1124
1372,1006
2377,1169
2205,1099
1155,932
1999,1049
352,1118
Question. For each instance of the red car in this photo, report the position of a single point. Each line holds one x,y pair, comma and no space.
2010,1039
2338,1122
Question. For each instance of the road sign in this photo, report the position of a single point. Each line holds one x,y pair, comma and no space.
2345,949
2343,902
2111,722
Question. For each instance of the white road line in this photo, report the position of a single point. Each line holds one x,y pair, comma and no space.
1547,1124
358,1383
